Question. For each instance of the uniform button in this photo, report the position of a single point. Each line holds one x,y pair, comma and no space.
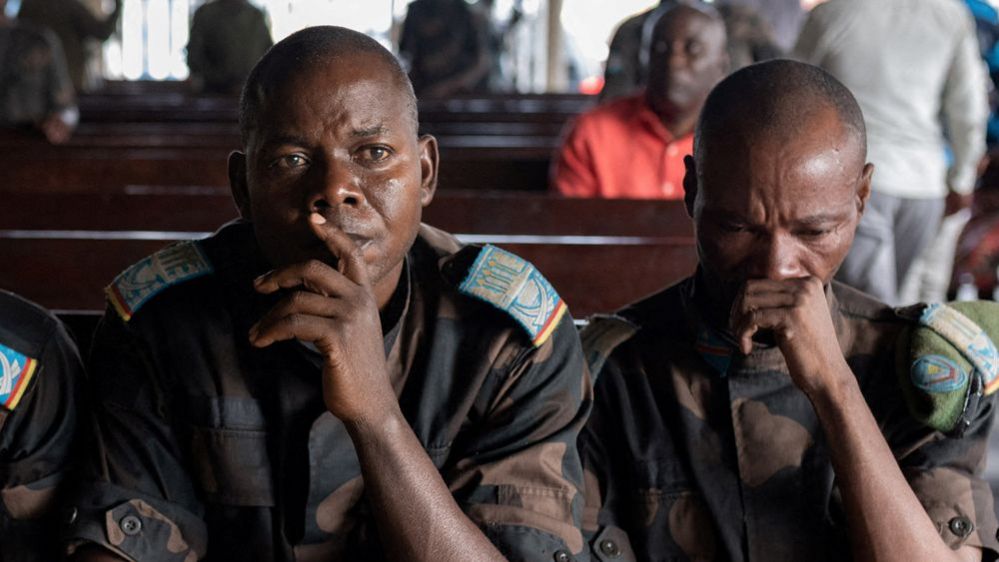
130,525
71,514
610,548
960,526
562,556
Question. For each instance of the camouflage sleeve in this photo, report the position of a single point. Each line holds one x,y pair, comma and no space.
946,475
36,449
517,474
135,497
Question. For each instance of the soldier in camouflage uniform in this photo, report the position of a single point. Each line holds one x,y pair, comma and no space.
40,376
328,379
754,411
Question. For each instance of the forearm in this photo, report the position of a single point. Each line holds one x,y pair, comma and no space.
886,521
415,511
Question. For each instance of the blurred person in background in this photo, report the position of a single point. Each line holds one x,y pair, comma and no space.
914,67
228,37
35,90
75,26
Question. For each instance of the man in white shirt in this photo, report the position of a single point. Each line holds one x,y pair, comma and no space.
914,67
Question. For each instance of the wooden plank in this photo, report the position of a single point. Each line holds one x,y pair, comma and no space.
69,274
203,209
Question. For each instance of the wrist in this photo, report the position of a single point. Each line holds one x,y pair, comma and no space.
833,390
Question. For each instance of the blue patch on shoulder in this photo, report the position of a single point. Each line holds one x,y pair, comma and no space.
938,374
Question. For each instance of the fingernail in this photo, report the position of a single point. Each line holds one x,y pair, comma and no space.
253,332
316,218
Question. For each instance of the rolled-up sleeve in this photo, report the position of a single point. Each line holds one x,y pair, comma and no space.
518,474
945,474
134,497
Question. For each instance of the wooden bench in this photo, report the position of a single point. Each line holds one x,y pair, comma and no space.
599,254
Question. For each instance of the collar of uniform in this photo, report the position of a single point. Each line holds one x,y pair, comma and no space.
720,350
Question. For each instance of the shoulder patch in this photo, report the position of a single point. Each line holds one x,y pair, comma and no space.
601,336
514,286
968,338
16,370
142,281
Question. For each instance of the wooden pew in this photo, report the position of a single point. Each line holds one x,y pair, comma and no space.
599,254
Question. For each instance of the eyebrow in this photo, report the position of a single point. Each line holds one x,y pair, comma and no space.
821,219
370,131
282,140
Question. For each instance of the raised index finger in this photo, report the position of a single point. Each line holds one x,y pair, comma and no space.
350,261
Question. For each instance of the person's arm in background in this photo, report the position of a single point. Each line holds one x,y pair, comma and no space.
197,61
62,114
573,173
965,112
810,45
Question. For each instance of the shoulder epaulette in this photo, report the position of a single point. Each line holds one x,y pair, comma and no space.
514,286
142,281
601,336
952,359
16,370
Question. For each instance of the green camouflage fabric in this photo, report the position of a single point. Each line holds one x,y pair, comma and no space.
37,437
208,447
695,452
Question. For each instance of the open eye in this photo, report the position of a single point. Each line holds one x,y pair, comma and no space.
291,161
375,153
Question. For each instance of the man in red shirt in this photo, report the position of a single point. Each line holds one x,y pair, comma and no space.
633,147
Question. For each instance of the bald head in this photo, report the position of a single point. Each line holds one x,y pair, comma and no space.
776,99
308,50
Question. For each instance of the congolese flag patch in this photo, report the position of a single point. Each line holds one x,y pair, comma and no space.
16,370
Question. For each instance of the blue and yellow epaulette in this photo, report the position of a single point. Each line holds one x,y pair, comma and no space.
16,370
142,281
514,286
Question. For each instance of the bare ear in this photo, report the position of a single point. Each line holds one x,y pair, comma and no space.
429,161
689,184
864,187
238,185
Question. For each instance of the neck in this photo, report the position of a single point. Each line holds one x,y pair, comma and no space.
678,122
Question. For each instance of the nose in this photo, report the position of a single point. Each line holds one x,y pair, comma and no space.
778,258
676,56
335,187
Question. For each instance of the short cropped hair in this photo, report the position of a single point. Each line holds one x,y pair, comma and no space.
304,49
775,96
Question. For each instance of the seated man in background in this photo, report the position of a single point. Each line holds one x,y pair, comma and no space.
754,411
35,90
228,37
633,147
40,378
329,379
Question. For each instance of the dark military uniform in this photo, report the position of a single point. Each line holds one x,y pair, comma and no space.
209,445
700,453
40,375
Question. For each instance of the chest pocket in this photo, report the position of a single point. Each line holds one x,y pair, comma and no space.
670,520
228,451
